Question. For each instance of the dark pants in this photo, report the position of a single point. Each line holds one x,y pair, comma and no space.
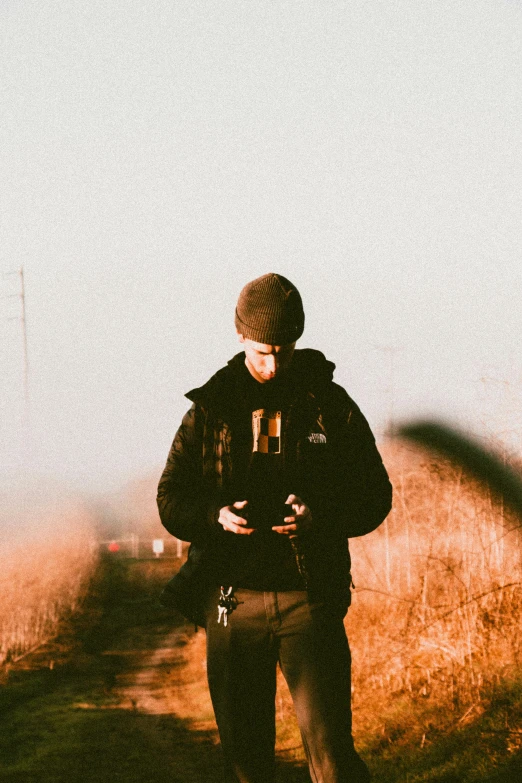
310,643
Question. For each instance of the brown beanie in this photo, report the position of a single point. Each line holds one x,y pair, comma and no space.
270,311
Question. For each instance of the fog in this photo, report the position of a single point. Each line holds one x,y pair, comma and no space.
158,156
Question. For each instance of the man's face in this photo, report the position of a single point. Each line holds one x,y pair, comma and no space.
266,362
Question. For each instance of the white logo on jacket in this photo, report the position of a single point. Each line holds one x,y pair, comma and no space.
317,437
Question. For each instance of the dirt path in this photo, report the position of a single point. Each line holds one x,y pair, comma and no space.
123,700
163,683
154,684
121,697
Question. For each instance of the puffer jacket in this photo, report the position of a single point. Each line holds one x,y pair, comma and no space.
330,460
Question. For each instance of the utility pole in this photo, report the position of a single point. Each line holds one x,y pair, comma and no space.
23,320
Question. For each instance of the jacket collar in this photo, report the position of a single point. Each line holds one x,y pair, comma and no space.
309,371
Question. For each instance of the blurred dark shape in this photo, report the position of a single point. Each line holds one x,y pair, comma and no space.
502,480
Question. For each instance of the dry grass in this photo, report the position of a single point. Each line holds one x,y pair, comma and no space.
435,622
437,611
44,575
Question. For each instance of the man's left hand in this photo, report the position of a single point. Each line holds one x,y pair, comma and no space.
300,522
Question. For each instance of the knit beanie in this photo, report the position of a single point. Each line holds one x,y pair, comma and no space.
270,311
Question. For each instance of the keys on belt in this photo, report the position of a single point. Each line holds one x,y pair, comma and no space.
226,604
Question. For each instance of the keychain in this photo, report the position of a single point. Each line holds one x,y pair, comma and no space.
227,603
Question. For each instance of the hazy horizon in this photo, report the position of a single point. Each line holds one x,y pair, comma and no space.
158,157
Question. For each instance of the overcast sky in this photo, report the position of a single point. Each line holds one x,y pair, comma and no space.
158,155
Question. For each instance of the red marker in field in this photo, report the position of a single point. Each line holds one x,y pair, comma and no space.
113,546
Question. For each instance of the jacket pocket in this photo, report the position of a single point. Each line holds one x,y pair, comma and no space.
187,592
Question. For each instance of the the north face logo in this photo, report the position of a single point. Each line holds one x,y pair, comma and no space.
317,437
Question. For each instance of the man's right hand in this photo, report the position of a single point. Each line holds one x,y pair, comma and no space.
231,522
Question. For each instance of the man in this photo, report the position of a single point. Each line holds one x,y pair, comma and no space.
273,468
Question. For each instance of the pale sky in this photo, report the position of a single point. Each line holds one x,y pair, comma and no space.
156,156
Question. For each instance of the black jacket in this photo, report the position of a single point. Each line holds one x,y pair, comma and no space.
330,458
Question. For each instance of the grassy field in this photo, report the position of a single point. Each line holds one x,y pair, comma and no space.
118,690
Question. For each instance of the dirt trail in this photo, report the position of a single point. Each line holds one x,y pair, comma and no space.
124,699
154,684
121,697
163,678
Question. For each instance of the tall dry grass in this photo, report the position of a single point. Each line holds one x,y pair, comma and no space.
45,569
436,616
435,621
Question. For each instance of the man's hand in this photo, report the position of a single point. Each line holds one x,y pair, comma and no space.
300,522
232,522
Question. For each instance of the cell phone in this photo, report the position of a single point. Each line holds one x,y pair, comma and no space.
266,515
